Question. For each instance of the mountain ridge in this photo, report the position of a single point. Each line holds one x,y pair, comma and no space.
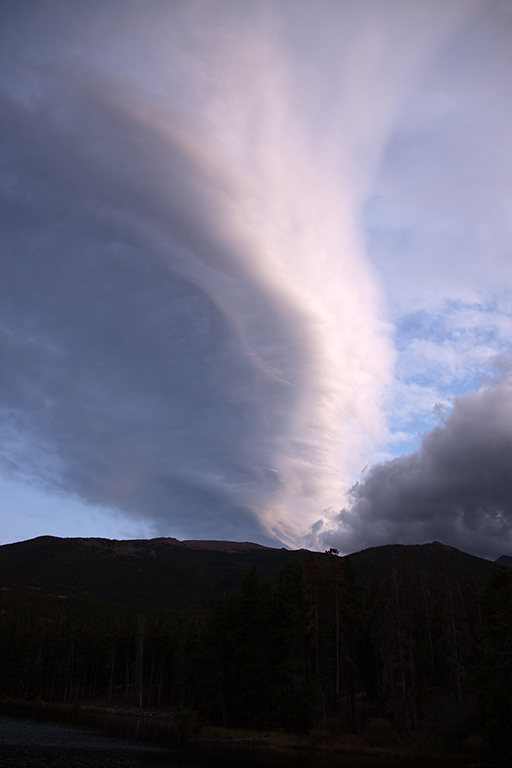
165,572
160,572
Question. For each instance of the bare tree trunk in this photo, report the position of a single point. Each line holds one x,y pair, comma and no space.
140,655
111,684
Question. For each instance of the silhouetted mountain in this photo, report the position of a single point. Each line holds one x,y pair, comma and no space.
376,563
156,572
168,573
504,560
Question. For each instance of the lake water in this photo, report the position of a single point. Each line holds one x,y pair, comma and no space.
35,744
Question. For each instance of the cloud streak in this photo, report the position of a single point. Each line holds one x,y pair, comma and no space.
189,329
159,354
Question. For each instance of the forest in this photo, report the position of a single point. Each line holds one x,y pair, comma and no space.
318,648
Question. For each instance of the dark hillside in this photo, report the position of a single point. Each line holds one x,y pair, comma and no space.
504,560
168,573
376,563
156,572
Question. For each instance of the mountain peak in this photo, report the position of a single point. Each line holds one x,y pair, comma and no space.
504,560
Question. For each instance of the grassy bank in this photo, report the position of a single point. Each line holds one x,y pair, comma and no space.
180,728
412,748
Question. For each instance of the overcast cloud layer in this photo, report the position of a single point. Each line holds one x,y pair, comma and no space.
246,248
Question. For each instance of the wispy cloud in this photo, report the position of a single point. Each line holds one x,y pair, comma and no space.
190,329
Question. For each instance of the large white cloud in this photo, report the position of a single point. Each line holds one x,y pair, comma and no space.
190,330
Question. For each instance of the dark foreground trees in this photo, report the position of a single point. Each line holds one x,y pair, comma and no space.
314,649
494,672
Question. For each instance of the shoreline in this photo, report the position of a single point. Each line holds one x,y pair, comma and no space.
167,728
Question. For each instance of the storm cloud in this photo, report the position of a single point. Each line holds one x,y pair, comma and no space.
455,489
182,289
191,331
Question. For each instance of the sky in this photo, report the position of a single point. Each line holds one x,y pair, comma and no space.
256,271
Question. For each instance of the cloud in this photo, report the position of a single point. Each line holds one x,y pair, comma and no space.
171,331
442,351
438,218
189,329
455,489
437,222
127,379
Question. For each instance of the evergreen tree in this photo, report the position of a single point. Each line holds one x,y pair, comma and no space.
495,674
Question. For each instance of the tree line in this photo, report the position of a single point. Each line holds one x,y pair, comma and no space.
314,649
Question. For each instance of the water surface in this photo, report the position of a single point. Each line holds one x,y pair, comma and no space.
36,744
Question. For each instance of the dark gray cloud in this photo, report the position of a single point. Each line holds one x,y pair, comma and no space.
456,488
